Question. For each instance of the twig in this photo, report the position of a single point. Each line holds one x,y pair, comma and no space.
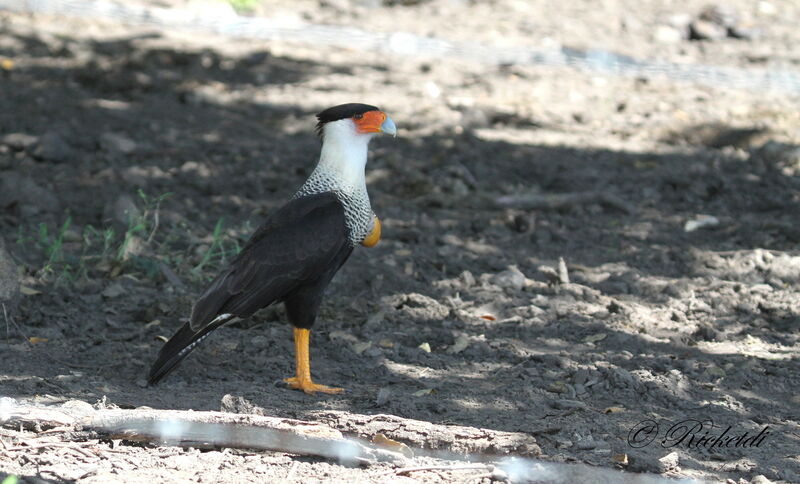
553,201
155,221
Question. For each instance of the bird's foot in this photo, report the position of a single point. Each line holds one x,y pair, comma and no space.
309,386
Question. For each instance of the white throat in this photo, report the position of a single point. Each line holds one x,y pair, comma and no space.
341,170
344,154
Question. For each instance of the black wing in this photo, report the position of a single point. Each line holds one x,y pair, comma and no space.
292,247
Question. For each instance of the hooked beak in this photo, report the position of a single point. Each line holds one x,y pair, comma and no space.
388,127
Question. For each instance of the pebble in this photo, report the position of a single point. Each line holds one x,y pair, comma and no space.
19,141
760,479
467,279
705,30
14,188
511,279
123,210
668,462
117,143
52,147
665,34
383,396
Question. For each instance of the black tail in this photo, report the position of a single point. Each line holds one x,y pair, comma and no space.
178,347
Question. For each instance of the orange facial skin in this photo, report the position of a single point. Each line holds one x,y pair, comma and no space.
369,122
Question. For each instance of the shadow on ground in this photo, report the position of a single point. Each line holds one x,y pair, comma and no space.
657,322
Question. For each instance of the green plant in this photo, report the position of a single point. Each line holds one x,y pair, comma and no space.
144,247
52,245
243,6
216,245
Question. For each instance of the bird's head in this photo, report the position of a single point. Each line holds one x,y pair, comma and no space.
354,120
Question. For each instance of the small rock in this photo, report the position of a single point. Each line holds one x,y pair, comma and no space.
461,343
511,278
706,332
122,211
586,444
760,479
668,463
52,147
14,188
383,396
117,143
467,279
665,34
522,223
474,118
19,141
705,30
114,290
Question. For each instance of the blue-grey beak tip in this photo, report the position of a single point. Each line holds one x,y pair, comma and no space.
388,127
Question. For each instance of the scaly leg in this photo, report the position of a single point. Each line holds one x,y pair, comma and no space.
303,368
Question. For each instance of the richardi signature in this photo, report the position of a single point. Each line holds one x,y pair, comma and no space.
693,434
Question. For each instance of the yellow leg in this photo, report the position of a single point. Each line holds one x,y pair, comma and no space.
302,380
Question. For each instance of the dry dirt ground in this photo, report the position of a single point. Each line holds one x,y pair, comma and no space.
462,314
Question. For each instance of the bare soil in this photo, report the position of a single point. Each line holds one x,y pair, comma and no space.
462,315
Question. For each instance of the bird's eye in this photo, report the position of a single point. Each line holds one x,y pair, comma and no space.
358,116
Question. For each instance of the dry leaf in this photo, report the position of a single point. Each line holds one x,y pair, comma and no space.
386,343
28,291
594,338
621,459
614,409
35,339
488,317
425,347
385,442
423,392
162,338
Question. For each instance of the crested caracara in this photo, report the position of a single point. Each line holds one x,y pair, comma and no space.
296,252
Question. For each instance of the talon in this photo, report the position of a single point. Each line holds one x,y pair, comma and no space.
310,387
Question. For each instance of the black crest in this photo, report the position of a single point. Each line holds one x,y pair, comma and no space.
342,111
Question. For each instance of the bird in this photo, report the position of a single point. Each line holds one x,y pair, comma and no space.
294,254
